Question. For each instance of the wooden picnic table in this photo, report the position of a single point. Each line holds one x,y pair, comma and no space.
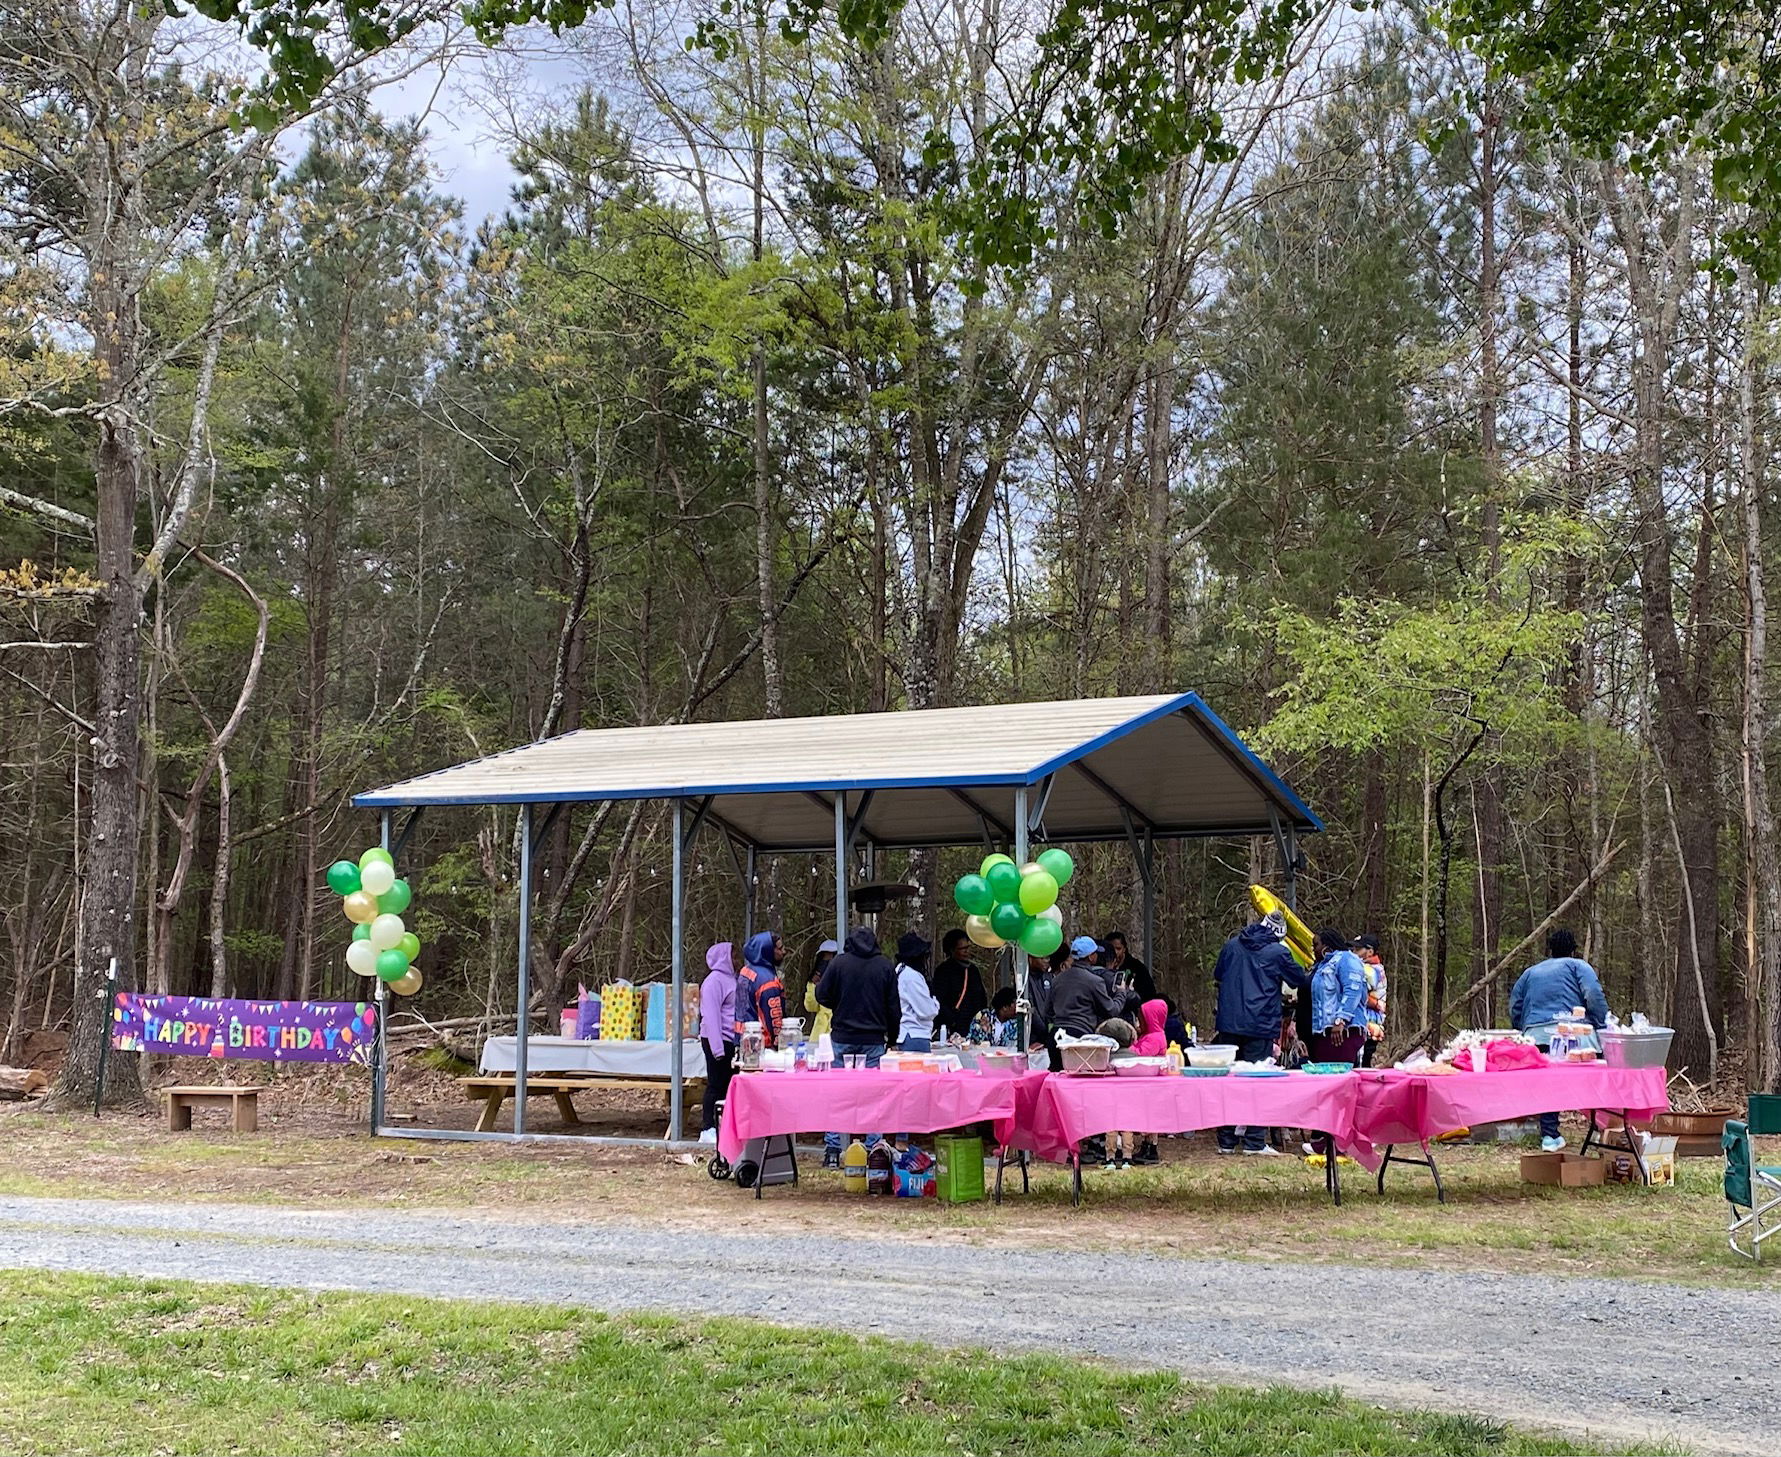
494,1089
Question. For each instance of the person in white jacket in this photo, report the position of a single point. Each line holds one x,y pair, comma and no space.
920,1005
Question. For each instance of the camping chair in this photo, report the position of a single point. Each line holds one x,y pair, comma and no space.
1757,1191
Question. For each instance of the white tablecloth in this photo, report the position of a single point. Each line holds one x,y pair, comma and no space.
565,1054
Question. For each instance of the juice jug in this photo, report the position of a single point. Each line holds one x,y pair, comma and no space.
853,1168
749,1049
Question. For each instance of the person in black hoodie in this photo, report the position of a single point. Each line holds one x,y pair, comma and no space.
860,987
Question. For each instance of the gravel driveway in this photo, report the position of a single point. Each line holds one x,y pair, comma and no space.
1621,1360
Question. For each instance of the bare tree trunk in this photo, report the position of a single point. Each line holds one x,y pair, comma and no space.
219,885
1763,866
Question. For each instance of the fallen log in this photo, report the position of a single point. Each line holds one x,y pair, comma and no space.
22,1082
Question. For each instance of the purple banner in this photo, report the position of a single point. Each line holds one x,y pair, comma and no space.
222,1028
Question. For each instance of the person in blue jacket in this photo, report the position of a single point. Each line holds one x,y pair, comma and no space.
1252,968
1547,993
1338,1009
760,994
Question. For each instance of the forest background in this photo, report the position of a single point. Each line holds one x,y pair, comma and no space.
1431,448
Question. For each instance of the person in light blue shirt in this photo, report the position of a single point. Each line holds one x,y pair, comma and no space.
1545,995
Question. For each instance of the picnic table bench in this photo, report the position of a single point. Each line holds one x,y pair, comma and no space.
494,1089
242,1103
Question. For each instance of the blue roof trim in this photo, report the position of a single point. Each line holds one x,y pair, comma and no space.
1112,735
1197,707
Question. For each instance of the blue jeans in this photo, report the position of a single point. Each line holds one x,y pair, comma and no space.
1249,1049
871,1052
913,1044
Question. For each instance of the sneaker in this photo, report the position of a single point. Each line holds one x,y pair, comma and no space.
1232,1149
1124,1165
1266,1151
1551,1145
1109,1167
831,1158
708,1136
1148,1153
1308,1149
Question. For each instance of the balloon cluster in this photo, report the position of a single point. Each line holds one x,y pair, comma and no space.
374,901
1006,902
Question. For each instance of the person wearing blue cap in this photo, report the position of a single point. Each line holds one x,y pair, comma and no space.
1080,998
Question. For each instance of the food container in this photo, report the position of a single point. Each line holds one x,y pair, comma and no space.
1624,1048
967,1055
1086,1054
1327,1069
1141,1067
791,1033
1218,1054
1004,1062
892,1062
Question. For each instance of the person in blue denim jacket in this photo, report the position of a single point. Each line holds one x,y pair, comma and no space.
1338,1009
1544,995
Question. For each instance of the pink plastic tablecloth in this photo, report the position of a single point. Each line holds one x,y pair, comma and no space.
1394,1107
760,1105
1066,1110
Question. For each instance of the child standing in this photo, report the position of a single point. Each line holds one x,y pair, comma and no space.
1122,1032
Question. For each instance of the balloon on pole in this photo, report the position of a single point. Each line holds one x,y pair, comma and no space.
1008,920
409,945
1052,914
361,956
396,899
377,877
408,983
343,877
1004,880
360,907
386,932
991,861
973,896
982,934
1057,864
1041,937
375,855
1038,891
392,965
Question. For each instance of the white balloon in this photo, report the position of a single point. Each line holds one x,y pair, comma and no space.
361,956
377,877
386,931
1051,913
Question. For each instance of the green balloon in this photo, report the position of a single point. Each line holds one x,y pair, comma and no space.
1004,881
1038,892
376,852
343,877
1058,865
973,896
409,945
1041,938
395,900
362,932
991,861
1008,920
392,965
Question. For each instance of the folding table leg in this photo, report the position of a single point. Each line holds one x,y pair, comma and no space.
1001,1159
1427,1161
1076,1167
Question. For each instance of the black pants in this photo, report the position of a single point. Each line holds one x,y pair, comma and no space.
1326,1048
718,1071
1249,1049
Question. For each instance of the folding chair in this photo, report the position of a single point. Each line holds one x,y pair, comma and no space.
1754,1190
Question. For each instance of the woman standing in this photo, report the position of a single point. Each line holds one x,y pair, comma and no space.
717,1031
1367,948
920,1005
1338,1009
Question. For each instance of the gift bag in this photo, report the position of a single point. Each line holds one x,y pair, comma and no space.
621,1012
689,1010
655,1022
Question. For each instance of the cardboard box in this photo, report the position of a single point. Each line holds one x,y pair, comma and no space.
1567,1170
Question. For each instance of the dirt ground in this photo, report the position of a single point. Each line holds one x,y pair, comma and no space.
314,1147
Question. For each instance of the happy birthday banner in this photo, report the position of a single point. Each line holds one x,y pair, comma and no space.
227,1027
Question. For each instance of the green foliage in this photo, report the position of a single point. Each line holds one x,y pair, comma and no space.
1648,80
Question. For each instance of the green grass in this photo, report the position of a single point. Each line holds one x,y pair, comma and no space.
89,1364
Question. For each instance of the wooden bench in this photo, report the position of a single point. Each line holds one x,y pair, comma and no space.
243,1104
494,1089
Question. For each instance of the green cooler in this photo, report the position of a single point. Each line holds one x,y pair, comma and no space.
959,1174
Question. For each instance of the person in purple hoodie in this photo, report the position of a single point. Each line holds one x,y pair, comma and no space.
717,1030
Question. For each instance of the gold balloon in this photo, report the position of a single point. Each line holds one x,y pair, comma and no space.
1029,868
979,930
408,983
360,908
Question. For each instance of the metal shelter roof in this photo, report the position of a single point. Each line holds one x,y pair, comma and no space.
1096,769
